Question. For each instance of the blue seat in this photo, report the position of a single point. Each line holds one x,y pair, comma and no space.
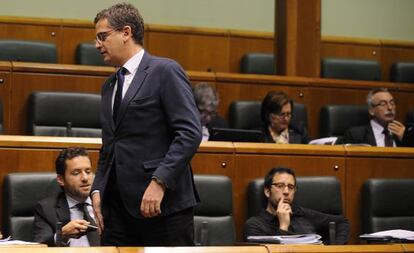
87,54
402,72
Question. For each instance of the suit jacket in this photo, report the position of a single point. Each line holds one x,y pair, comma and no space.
362,134
295,137
47,212
156,134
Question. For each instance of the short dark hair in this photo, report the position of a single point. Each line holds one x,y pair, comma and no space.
124,14
273,103
68,154
268,180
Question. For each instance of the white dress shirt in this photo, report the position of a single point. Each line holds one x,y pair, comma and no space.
378,130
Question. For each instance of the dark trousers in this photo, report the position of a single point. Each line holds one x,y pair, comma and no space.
122,229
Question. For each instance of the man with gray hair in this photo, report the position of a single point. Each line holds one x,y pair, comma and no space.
207,101
382,130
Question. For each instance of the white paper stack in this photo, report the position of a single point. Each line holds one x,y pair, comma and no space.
287,239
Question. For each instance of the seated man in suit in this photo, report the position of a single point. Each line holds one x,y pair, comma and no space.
72,206
383,130
207,101
283,217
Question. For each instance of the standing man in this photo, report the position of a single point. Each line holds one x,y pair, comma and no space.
144,192
72,206
382,130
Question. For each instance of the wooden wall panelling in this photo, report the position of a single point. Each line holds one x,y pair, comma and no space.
73,34
5,87
253,162
205,50
243,42
26,81
233,87
28,29
336,92
364,49
393,51
382,163
404,99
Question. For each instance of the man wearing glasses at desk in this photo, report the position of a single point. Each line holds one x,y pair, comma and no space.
382,130
283,217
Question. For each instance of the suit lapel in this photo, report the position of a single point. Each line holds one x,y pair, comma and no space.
107,100
136,84
62,209
370,136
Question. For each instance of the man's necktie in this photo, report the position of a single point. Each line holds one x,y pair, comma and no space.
93,235
120,75
388,140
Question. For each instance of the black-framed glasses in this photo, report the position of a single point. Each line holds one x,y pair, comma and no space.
282,186
102,36
384,103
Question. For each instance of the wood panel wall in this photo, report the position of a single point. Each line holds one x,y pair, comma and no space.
18,80
200,49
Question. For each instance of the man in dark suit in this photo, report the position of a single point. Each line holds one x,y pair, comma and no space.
383,130
75,176
150,132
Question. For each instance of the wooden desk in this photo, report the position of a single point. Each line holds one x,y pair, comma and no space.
224,249
60,250
372,248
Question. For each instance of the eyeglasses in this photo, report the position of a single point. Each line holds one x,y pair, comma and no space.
384,103
282,186
282,115
102,36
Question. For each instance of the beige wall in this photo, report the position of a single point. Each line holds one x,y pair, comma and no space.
384,19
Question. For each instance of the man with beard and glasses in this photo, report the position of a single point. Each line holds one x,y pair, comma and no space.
383,130
283,217
72,206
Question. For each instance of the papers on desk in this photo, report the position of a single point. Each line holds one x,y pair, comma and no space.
287,239
9,241
395,235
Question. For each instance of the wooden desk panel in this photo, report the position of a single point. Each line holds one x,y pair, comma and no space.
193,51
372,248
211,249
240,45
60,250
5,90
71,38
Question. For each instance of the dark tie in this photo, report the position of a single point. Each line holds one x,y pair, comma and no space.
120,75
93,235
388,140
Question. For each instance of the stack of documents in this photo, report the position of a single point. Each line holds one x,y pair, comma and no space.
287,239
9,241
399,235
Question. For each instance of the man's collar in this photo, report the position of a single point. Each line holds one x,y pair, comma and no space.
73,202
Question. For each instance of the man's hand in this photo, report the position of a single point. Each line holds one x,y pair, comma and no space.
151,201
96,204
283,213
396,128
74,229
